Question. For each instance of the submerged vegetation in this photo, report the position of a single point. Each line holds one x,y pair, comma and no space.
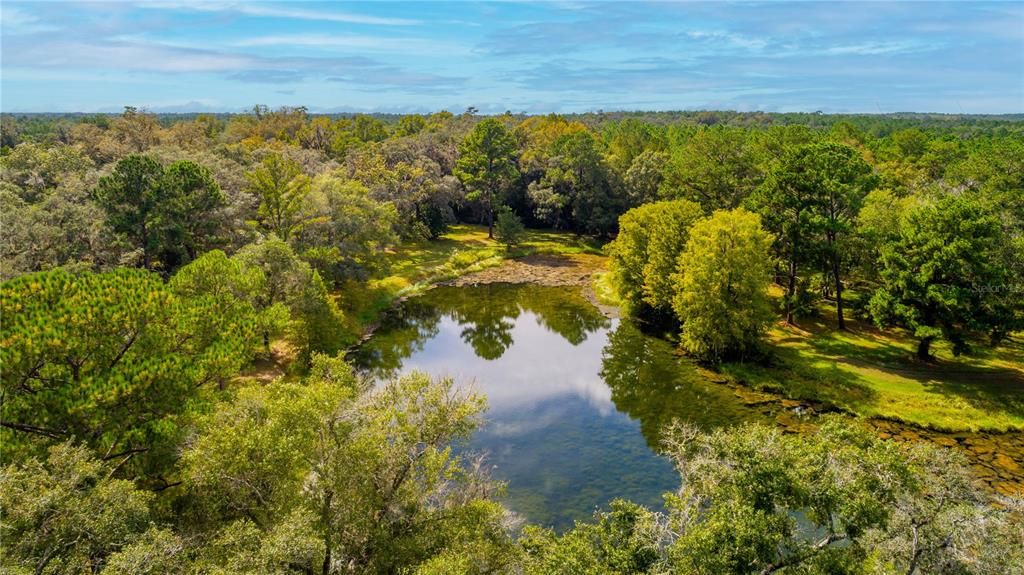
150,263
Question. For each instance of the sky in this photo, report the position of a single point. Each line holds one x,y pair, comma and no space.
535,57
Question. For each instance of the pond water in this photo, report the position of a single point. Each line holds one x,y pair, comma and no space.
575,400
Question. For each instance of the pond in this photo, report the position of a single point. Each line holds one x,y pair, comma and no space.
575,400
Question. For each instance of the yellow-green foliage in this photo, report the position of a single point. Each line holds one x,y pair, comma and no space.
107,357
643,256
721,288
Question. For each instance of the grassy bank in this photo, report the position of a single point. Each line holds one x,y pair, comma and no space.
417,265
873,373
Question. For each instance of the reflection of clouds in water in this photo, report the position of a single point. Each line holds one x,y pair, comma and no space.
530,422
552,430
540,367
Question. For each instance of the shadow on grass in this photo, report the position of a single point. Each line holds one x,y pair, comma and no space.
791,374
990,380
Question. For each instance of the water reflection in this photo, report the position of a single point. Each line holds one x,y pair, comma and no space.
654,386
575,400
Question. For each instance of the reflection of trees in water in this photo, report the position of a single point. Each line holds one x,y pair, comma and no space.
571,316
402,333
653,386
487,315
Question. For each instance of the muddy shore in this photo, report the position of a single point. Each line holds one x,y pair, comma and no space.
545,270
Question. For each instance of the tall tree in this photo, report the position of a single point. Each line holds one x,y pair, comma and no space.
346,231
722,286
840,179
787,201
282,187
644,255
486,164
946,275
715,168
576,187
168,214
131,196
194,198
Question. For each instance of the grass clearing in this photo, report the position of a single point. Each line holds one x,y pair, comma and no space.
874,373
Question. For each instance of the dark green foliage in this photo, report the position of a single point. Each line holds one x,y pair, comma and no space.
166,214
109,359
576,190
190,224
808,201
509,228
130,196
486,165
946,275
715,168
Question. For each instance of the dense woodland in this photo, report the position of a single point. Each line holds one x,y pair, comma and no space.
148,260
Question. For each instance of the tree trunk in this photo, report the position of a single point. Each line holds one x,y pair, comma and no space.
839,287
490,218
791,290
924,348
324,517
146,259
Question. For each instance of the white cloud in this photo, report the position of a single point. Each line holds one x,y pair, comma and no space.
365,43
17,21
122,56
876,48
271,11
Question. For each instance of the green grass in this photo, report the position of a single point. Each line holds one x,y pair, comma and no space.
466,248
605,290
873,373
417,265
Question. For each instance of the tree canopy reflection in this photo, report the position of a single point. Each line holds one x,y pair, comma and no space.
652,385
487,316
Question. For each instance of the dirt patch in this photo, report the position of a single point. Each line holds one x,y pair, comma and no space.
545,270
266,369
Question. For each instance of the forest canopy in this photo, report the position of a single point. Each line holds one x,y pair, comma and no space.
148,261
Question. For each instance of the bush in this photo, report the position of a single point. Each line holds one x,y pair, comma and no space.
509,228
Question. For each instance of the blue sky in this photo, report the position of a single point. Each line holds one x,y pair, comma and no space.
519,56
